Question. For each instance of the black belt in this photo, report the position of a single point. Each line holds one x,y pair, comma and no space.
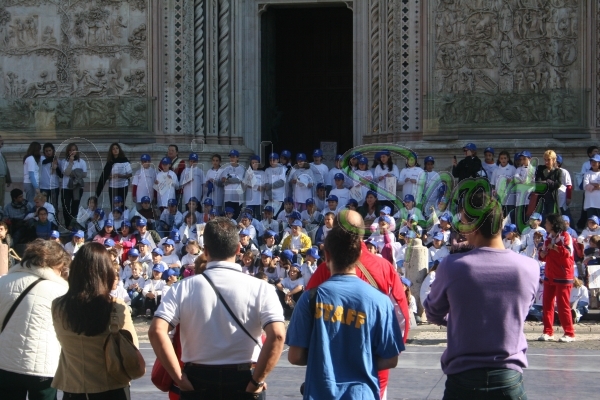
240,367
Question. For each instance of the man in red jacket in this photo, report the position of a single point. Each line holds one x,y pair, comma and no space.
384,275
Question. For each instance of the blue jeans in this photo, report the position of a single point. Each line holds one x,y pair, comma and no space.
485,384
219,384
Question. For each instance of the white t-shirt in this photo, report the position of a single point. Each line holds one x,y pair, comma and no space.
562,190
507,172
194,305
592,199
144,180
77,164
343,196
515,245
217,191
30,165
192,188
323,172
48,180
489,168
410,173
363,188
379,172
254,195
121,169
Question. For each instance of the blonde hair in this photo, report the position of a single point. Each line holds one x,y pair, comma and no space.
577,282
137,265
551,155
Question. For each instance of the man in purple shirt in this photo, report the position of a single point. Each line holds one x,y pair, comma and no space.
483,297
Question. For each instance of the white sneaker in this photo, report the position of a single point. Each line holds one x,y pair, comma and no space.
566,339
545,338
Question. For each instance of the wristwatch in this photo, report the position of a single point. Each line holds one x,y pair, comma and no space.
257,384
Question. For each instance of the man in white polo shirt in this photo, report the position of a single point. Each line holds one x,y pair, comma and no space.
218,354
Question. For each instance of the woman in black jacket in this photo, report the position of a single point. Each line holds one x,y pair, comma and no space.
468,167
551,174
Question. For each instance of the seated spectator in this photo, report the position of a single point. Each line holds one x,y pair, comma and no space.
299,243
75,244
247,263
15,213
192,208
126,241
188,230
290,288
118,203
268,222
42,227
426,285
96,224
269,242
438,250
118,291
579,300
246,224
377,238
193,251
6,239
55,237
288,208
170,257
84,216
133,256
145,257
332,204
143,233
171,218
246,243
134,284
152,291
324,229
117,218
527,245
149,213
157,258
412,303
592,228
511,240
39,201
107,232
170,276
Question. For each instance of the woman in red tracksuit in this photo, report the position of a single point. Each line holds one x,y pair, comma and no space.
557,252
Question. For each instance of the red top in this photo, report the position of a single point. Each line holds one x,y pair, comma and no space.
388,281
559,258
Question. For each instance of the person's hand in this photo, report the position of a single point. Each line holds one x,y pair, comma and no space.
295,251
72,157
568,202
150,295
454,162
381,178
407,180
549,181
309,185
119,245
184,384
293,181
253,389
413,181
543,254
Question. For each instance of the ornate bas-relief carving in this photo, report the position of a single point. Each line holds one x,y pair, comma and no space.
505,63
74,65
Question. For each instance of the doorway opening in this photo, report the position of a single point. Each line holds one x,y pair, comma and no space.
307,71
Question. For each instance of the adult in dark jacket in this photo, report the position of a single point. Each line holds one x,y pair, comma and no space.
468,167
551,174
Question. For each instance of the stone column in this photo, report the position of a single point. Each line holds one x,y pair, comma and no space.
375,39
416,266
224,78
199,67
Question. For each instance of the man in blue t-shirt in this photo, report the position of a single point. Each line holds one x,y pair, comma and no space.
349,326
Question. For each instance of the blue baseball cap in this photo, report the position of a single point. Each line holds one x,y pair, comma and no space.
133,253
234,153
406,281
313,252
269,233
117,199
158,268
168,242
193,157
145,242
267,253
255,158
438,236
55,234
595,157
145,199
409,197
268,209
214,211
118,209
559,159
142,222
536,216
166,160
488,150
172,202
339,157
470,146
274,156
194,199
247,216
318,153
295,215
297,222
356,154
363,160
287,254
352,202
244,232
332,197
286,154
300,157
428,159
320,186
288,200
126,223
228,210
145,158
386,218
168,273
509,228
109,243
109,222
100,212
310,201
445,217
594,218
371,193
525,153
386,210
339,176
79,234
208,202
566,219
158,250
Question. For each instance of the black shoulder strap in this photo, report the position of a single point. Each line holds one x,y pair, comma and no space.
312,301
17,302
237,321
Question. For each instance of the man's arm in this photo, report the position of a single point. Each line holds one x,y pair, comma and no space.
269,355
159,339
382,363
298,355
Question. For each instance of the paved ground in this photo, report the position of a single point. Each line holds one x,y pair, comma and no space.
556,371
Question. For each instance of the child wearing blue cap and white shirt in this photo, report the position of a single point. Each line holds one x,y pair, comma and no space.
528,246
143,180
320,170
385,211
133,256
246,223
192,207
96,223
311,262
488,163
364,172
311,218
339,190
409,176
192,179
288,208
337,169
408,210
213,188
231,177
274,182
166,183
267,221
75,244
253,185
524,178
333,204
302,181
171,218
592,228
511,239
153,290
170,256
377,238
438,249
591,185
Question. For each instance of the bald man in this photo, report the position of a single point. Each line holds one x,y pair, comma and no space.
382,275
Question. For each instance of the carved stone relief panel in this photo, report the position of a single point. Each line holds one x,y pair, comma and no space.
505,63
76,64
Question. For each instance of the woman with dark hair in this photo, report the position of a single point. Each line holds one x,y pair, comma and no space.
81,321
118,170
385,169
31,170
29,349
370,209
50,174
74,171
557,252
502,179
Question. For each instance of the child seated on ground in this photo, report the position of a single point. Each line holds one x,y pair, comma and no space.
412,303
528,247
118,291
170,257
134,285
247,263
170,277
438,250
579,300
511,240
153,290
187,262
310,265
290,288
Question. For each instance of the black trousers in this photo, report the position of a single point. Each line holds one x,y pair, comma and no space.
215,383
70,205
15,386
117,394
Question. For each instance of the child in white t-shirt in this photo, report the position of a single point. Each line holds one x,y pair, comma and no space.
310,264
342,193
511,238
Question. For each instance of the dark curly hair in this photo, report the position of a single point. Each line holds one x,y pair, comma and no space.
557,222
